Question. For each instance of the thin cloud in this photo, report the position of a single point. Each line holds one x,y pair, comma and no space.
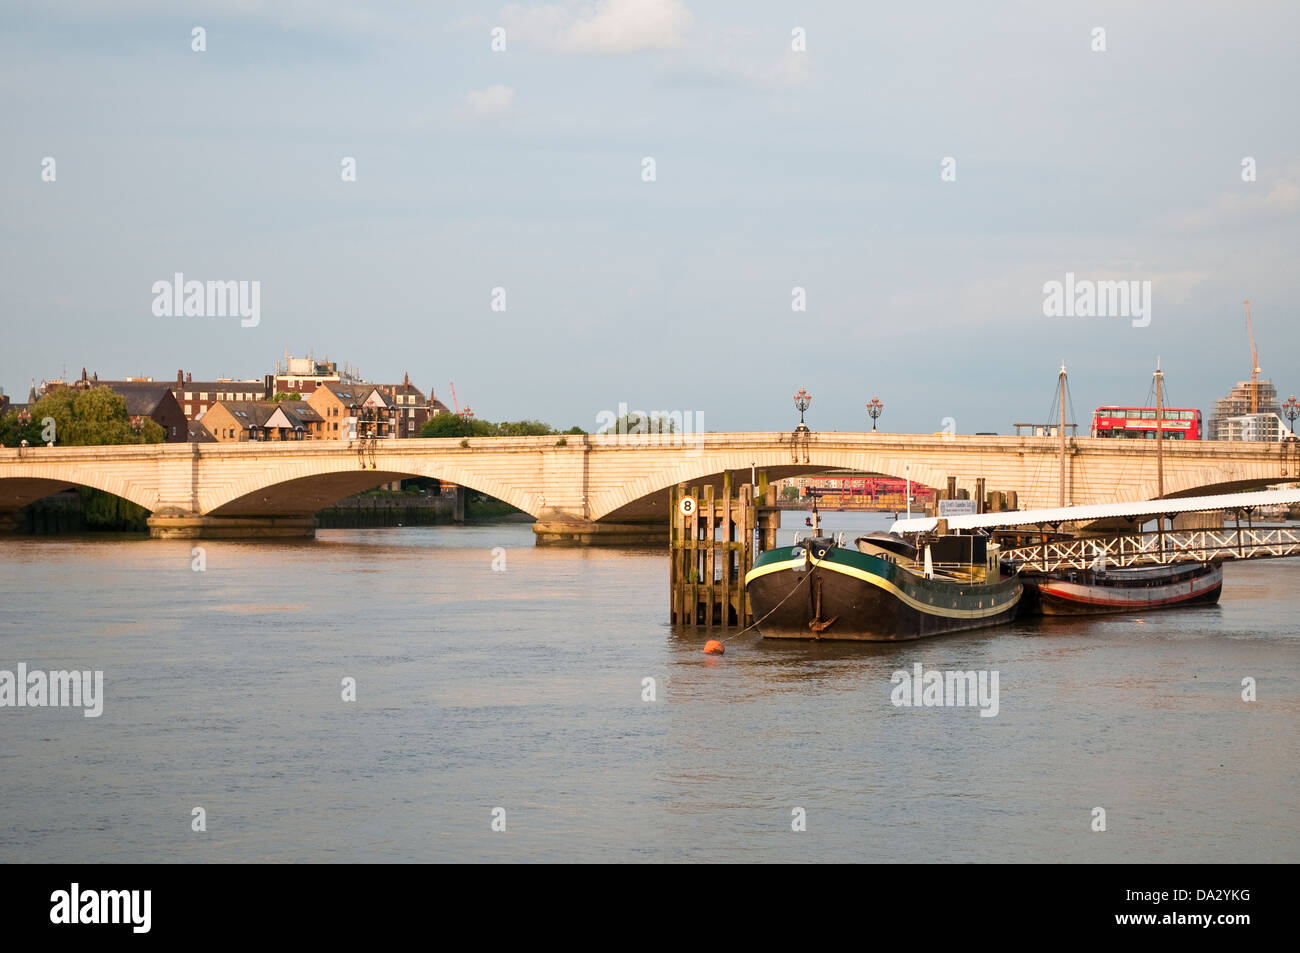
1255,206
609,26
491,102
741,59
790,72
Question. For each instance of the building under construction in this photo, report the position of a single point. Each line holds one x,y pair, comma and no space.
1250,411
1233,418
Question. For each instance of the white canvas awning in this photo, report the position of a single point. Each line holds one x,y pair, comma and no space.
1138,510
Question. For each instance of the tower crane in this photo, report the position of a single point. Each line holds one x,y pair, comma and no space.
453,398
1254,363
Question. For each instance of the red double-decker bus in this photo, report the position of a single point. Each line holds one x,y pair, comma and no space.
1177,423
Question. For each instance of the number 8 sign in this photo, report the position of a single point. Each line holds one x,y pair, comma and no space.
687,506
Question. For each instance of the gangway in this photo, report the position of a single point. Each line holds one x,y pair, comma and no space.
1158,549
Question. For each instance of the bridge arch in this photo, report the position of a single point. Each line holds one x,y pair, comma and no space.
646,496
302,488
19,491
1229,486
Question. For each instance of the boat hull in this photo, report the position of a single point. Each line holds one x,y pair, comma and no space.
851,596
1089,593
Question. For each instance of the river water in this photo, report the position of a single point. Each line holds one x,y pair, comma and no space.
521,687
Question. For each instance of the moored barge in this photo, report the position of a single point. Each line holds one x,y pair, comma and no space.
1097,591
883,589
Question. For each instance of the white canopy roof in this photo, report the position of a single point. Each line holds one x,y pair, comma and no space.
1138,509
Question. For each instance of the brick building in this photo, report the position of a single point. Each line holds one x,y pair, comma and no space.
411,408
195,397
200,433
155,401
304,374
234,421
352,411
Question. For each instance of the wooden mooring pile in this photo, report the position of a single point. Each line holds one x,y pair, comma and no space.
714,537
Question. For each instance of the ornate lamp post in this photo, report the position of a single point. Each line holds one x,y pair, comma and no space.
467,417
24,418
874,407
801,402
1292,410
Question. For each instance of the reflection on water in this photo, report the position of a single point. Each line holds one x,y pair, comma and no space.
523,689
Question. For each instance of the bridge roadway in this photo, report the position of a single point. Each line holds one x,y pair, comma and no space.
591,489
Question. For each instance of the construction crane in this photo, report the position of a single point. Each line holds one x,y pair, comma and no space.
1254,363
453,398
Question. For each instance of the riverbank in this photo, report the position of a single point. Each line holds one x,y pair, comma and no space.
388,509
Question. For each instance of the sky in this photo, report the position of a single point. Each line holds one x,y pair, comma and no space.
794,145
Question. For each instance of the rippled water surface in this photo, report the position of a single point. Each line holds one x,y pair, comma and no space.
522,689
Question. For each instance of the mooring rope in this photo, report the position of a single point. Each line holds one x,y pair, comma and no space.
756,622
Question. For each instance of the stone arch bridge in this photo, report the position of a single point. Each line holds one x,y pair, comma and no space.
593,488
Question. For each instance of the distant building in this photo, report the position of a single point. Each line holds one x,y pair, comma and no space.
858,489
196,397
193,397
412,409
354,410
1267,427
235,421
47,387
1237,405
87,381
144,397
8,406
303,375
348,407
200,433
155,401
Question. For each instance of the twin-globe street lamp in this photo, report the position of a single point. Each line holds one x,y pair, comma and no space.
1292,409
874,407
801,402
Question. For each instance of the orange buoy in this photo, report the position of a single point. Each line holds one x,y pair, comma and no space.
714,647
